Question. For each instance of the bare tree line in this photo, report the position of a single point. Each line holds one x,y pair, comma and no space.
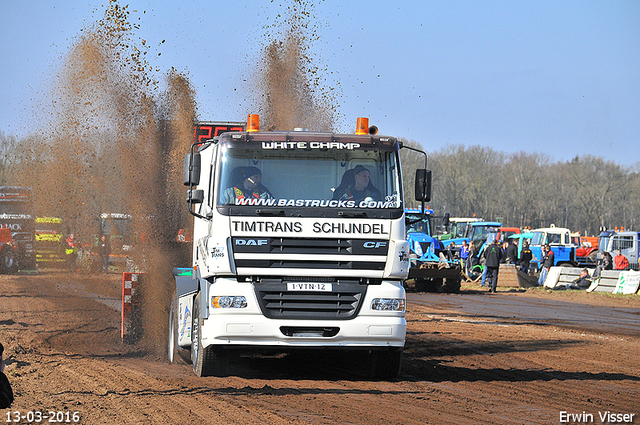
529,189
519,189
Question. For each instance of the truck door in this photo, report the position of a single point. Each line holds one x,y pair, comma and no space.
560,245
627,244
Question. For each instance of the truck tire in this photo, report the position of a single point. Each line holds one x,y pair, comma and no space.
7,260
450,285
207,361
426,285
385,365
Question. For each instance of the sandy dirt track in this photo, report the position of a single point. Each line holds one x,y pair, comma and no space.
62,345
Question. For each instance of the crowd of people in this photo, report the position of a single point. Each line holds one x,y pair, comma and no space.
497,253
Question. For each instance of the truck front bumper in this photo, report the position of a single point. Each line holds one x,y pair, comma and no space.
248,326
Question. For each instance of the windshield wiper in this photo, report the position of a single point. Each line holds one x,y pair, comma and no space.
273,213
352,214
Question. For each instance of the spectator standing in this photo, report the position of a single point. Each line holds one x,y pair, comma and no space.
105,250
505,245
512,252
464,256
546,262
525,258
621,262
71,251
493,256
473,255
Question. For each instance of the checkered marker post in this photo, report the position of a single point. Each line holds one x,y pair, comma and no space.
131,327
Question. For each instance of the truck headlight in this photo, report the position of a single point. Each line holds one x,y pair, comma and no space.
388,304
228,302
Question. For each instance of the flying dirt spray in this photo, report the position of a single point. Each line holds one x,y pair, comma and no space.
289,85
114,143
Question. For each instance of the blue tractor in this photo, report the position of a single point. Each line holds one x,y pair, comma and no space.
433,269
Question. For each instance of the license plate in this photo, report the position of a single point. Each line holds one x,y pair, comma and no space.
309,286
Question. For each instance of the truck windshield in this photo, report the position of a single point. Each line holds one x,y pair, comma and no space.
309,178
537,238
480,233
418,224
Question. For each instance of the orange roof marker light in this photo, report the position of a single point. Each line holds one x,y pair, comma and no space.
362,127
253,123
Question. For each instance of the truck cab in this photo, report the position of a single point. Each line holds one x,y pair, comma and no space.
505,233
459,227
298,243
17,214
559,240
478,232
421,243
628,242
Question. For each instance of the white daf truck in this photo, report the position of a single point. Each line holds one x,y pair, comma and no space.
291,250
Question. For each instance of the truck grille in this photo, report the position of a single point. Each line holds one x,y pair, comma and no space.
310,253
342,303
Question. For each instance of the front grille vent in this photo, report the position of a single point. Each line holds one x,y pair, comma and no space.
341,303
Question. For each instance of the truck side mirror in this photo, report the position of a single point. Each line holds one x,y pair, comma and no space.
446,219
191,170
195,196
423,185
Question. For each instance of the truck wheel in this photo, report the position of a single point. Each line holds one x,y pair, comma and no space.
420,285
450,285
7,260
384,365
207,361
425,285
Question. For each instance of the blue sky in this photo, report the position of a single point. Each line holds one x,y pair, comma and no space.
557,77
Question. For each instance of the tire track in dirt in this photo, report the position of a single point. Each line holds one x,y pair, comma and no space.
65,354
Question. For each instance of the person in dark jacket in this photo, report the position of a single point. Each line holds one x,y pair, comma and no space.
525,258
493,255
6,393
356,186
582,282
512,252
104,250
607,264
607,261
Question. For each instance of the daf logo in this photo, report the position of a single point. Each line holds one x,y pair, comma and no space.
251,242
373,245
